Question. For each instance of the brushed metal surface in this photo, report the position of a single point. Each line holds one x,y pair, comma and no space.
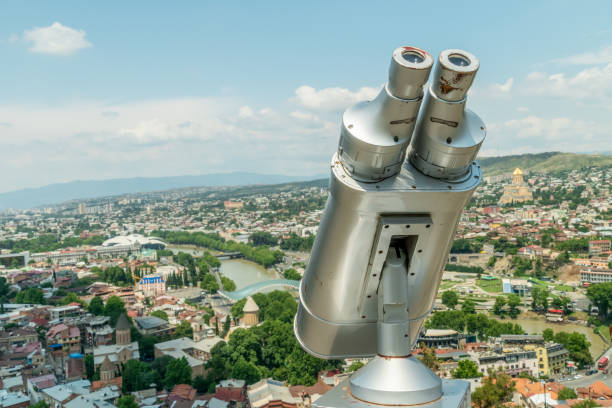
396,381
455,394
331,321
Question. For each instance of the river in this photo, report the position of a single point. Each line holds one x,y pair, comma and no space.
241,271
245,273
536,326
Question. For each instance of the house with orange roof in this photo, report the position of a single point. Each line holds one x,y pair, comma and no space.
598,390
536,394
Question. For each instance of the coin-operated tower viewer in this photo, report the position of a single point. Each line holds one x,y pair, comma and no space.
404,170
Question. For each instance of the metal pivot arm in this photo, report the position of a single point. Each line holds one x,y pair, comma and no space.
393,318
394,377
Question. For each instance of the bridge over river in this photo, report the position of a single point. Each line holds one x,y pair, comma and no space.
257,287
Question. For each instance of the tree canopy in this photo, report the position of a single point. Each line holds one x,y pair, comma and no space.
497,388
114,308
30,295
450,299
127,401
177,372
478,323
601,295
466,369
267,350
96,306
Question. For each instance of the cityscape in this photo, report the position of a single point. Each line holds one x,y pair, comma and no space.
273,204
187,296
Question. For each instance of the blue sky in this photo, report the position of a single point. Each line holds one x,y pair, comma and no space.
123,89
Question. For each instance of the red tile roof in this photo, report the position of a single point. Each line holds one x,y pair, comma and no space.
182,392
230,394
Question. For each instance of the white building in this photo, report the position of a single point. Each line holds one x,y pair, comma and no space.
590,275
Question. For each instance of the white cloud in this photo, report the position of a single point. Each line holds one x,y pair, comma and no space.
158,138
593,83
305,116
245,112
505,87
331,99
57,39
549,134
522,109
602,56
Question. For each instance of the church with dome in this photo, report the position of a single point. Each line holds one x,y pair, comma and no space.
518,191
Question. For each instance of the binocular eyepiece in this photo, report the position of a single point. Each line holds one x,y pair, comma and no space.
443,137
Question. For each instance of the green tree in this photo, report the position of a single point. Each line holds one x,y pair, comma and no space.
263,238
203,385
292,274
429,357
468,306
236,309
562,259
96,306
218,365
30,295
303,368
567,393
70,298
539,296
146,346
466,369
89,366
178,372
132,376
161,314
498,307
514,302
548,334
491,262
209,283
184,329
161,364
496,390
450,299
114,308
40,404
127,401
356,365
228,284
247,371
588,403
601,295
578,347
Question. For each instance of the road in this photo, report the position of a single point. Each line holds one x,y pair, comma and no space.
587,380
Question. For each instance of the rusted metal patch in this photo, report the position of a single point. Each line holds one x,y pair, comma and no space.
444,122
402,121
446,86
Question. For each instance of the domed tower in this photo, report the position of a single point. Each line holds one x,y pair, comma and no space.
251,311
122,335
107,370
517,177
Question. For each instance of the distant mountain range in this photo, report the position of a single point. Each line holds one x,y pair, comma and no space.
74,190
83,189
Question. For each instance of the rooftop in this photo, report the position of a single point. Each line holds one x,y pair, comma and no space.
150,322
123,323
250,306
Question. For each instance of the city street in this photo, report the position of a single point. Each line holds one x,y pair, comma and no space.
586,380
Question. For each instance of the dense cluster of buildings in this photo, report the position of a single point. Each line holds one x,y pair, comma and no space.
512,354
44,348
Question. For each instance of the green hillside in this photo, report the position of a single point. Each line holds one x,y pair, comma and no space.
541,162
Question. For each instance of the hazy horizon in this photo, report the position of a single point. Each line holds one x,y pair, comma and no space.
199,88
